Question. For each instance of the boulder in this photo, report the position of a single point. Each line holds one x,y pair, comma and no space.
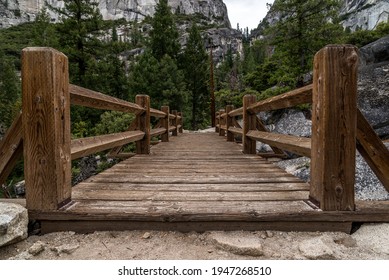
318,248
375,52
13,223
239,243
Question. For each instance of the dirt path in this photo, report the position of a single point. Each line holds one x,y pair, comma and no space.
371,241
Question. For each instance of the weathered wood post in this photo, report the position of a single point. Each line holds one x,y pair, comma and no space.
334,126
175,123
165,123
229,123
46,128
143,124
217,122
249,123
221,123
181,121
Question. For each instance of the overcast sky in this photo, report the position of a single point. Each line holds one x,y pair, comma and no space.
248,13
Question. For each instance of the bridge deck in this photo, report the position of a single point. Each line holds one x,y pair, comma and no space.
198,181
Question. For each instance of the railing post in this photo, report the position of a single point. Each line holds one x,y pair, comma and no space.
165,123
143,124
334,128
181,129
221,123
175,123
217,122
249,123
46,128
229,123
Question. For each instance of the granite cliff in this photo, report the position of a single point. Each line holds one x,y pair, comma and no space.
13,12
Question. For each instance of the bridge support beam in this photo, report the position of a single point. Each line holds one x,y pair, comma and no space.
46,128
221,123
334,127
143,124
249,123
175,123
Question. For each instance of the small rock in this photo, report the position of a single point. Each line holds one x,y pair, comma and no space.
66,249
22,256
36,248
238,243
13,223
346,241
210,251
316,249
374,236
269,233
263,236
147,235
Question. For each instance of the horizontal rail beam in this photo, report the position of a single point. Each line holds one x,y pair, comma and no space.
235,130
293,98
157,113
93,99
157,131
86,146
172,128
295,144
236,112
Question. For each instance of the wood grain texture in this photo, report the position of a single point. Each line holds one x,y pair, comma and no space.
93,99
295,144
143,124
290,99
175,123
86,146
11,148
249,123
165,124
373,150
46,125
334,126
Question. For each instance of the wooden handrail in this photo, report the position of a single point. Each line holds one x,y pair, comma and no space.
337,126
93,99
86,146
43,130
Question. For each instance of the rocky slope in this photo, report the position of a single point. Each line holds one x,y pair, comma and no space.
13,12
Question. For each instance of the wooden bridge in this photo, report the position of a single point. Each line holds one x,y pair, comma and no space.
195,181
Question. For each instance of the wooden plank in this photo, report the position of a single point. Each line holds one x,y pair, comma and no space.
88,226
295,144
268,187
46,126
93,99
290,99
143,124
124,195
261,127
157,113
157,131
181,122
172,128
229,124
87,146
236,112
249,123
11,148
373,150
334,127
222,127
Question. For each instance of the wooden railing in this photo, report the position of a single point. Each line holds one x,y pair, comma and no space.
338,128
42,132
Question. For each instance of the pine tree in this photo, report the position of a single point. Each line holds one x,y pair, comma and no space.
81,24
164,35
304,26
9,90
197,77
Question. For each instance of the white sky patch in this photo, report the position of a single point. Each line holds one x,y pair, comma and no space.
248,13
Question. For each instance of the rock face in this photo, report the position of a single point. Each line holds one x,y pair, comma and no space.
365,14
13,223
13,12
